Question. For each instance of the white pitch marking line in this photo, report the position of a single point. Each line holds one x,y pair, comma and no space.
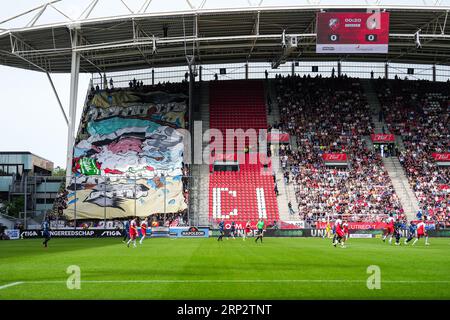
10,285
233,281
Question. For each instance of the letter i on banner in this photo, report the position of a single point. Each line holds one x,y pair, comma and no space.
261,200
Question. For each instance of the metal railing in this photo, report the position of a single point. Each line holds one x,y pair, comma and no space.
236,71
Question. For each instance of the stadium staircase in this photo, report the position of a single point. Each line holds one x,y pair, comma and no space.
392,165
375,106
372,99
402,187
247,194
200,172
286,192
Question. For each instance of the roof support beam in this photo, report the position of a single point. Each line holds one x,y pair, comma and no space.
137,30
28,11
126,6
37,16
88,9
197,43
144,7
255,31
148,41
57,97
445,23
75,72
23,50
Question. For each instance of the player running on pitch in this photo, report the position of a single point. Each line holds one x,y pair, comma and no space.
260,225
398,226
232,230
346,232
221,230
421,232
144,226
133,232
390,228
46,232
247,229
327,229
337,237
126,230
411,232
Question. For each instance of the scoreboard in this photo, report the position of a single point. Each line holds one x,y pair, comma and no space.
352,32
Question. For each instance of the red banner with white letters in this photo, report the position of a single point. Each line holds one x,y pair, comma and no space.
332,157
441,157
382,138
357,225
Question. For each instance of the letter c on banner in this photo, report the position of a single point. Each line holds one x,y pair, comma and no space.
217,203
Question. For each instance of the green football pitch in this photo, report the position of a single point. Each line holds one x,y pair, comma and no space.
280,268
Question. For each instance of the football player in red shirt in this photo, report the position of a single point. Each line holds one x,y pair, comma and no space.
389,229
345,229
247,229
421,232
144,225
339,232
133,232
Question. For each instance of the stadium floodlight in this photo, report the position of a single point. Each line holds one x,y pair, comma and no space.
417,38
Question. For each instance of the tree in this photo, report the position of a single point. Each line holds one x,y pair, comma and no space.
59,172
13,207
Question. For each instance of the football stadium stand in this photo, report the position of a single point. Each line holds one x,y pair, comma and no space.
331,116
248,193
419,112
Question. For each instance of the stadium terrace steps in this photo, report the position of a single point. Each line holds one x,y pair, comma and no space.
402,188
375,106
247,194
286,192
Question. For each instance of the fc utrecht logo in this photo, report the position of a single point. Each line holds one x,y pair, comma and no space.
333,23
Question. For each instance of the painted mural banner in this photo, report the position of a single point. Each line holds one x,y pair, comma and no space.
128,156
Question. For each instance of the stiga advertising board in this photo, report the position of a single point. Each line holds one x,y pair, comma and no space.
319,233
26,234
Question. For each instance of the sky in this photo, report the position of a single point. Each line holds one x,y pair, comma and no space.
30,117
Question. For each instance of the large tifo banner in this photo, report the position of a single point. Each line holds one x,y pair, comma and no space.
352,32
128,156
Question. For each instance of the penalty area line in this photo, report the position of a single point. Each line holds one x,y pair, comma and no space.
11,285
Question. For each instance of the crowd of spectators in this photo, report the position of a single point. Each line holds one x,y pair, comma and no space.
332,116
419,111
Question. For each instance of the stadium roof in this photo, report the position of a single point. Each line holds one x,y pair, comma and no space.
116,35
